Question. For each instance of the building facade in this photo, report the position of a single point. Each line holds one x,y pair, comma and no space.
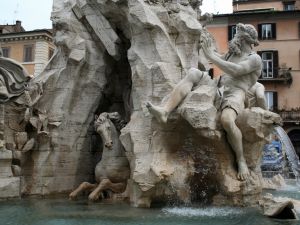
32,49
278,26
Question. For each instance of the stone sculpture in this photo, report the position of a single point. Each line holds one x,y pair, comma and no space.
112,172
279,207
13,79
242,68
256,97
117,55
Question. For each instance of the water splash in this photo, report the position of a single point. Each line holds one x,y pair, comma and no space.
206,212
290,151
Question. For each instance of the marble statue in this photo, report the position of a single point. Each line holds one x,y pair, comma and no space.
242,68
115,56
112,171
256,96
13,79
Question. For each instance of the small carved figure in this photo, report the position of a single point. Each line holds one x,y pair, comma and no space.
113,170
242,68
13,79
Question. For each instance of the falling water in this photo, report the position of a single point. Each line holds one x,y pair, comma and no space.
290,151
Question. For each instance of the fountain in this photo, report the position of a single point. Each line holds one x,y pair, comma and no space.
280,159
122,56
290,151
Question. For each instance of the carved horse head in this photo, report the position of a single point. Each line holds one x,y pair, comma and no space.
105,127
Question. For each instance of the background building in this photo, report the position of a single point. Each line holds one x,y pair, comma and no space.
32,49
278,26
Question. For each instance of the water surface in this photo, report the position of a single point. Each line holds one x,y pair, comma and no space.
65,212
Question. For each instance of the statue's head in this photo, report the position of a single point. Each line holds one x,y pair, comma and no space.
103,127
246,34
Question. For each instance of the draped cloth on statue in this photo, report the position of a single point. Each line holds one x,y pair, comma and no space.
13,79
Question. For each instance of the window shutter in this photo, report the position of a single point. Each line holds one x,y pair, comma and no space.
275,101
230,32
273,30
259,31
275,64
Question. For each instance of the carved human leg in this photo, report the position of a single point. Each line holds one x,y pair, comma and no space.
82,187
177,95
234,137
106,184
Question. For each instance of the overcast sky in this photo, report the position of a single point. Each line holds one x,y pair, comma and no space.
35,14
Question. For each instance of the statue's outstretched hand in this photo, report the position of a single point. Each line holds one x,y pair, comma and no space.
206,45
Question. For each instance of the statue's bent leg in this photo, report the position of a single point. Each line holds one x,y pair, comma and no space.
82,187
234,137
106,184
180,91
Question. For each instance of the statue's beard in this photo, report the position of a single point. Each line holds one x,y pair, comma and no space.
235,46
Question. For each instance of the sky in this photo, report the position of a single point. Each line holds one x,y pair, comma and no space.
35,14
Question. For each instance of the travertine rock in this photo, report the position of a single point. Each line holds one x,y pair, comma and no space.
115,55
276,182
278,207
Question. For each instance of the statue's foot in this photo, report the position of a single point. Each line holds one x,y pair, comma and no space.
73,196
243,173
158,112
94,196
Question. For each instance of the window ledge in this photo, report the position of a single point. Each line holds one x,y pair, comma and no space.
276,80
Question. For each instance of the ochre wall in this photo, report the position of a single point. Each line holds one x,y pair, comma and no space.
16,53
277,5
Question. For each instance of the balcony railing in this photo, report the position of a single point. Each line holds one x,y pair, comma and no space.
290,116
280,75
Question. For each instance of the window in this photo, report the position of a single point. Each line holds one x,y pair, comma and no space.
231,32
6,52
211,73
28,53
268,67
271,99
270,64
288,6
267,31
50,53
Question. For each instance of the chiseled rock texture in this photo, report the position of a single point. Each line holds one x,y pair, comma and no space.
115,55
279,207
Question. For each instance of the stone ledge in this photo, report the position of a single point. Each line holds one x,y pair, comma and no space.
10,187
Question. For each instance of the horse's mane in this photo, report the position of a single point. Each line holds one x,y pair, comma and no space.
118,122
115,118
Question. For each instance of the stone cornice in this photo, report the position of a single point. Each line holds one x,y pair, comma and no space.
235,2
27,36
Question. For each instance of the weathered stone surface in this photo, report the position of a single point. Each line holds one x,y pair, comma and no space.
10,187
279,208
276,182
115,56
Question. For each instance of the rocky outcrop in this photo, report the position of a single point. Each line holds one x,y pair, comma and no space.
276,182
279,208
116,55
190,157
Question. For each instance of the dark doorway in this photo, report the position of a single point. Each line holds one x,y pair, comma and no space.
294,135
